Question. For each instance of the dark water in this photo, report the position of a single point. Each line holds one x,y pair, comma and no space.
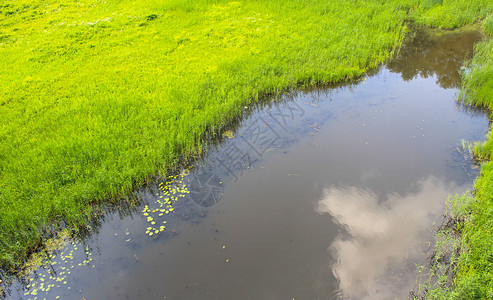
324,194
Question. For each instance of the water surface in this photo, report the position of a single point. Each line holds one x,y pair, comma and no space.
331,193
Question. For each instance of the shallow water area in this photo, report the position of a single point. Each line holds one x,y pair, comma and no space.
330,193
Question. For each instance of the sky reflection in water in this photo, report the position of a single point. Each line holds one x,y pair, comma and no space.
382,240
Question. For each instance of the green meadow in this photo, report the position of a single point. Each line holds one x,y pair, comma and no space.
97,97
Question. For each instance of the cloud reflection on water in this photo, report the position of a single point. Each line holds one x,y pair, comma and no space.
385,238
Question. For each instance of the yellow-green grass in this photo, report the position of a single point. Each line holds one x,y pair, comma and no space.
97,96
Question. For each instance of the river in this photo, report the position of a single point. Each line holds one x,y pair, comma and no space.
326,193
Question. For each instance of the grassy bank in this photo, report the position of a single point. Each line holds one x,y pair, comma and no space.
474,272
96,96
462,266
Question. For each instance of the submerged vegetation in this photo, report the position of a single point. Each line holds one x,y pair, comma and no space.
97,96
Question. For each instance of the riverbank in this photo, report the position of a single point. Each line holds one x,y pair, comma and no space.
471,236
462,264
96,97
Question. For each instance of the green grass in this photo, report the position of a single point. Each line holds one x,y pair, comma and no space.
470,251
450,14
97,96
474,278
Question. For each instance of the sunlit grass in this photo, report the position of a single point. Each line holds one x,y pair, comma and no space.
96,96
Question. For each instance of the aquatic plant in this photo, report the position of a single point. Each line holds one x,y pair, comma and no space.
170,191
